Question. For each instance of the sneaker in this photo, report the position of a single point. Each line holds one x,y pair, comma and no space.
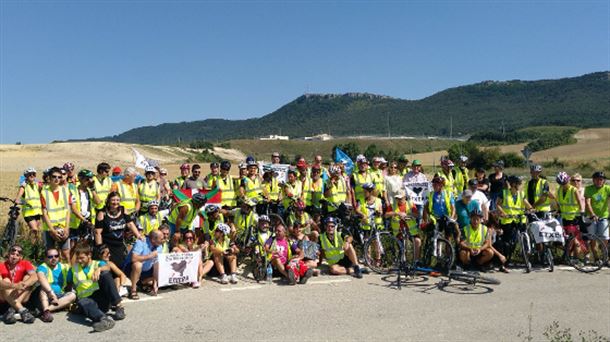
9,316
306,276
291,277
27,317
195,284
119,313
233,278
123,291
105,323
224,279
46,316
357,272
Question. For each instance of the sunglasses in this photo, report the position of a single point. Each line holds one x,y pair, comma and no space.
189,238
576,180
16,250
31,175
56,177
53,256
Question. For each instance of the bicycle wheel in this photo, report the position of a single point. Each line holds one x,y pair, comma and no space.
442,258
382,252
548,256
588,254
525,250
472,278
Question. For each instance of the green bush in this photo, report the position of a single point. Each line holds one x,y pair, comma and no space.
484,158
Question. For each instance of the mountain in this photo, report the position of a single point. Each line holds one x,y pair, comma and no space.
582,101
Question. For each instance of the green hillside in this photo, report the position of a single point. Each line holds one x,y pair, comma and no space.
578,101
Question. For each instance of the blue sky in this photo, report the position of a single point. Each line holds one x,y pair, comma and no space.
77,69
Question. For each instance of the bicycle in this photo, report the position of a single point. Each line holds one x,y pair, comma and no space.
583,251
379,248
528,240
11,230
438,252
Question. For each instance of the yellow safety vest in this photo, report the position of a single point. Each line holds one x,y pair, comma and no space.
461,179
568,203
129,194
360,179
253,188
446,196
148,224
333,251
378,220
273,189
292,219
475,238
82,281
75,192
148,192
65,269
206,224
31,200
395,221
225,243
227,191
379,180
190,216
179,181
102,189
58,210
244,221
449,182
512,206
313,191
546,205
296,191
338,193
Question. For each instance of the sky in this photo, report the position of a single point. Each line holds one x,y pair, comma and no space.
79,69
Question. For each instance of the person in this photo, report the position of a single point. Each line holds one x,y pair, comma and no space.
53,278
461,174
576,181
83,210
95,290
271,191
142,263
497,181
569,201
128,192
279,251
336,191
538,192
120,278
417,182
447,173
184,174
29,196
226,185
313,190
164,185
275,158
243,218
193,181
70,176
211,179
302,170
251,187
403,165
404,212
475,246
56,202
110,227
292,190
479,196
338,251
370,209
189,244
243,171
153,218
464,206
183,214
482,182
378,178
302,241
149,190
511,207
116,173
224,251
213,217
164,228
362,176
302,217
393,184
440,205
18,277
317,161
597,196
102,185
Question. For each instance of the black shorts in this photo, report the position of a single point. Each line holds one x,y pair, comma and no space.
345,262
32,218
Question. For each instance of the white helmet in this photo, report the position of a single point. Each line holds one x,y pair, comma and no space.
150,169
224,228
153,202
29,170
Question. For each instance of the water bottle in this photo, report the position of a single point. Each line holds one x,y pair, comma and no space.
269,273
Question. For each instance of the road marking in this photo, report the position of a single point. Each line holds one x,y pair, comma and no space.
330,281
127,300
253,287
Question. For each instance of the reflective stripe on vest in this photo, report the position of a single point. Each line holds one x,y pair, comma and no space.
512,207
31,199
546,205
227,191
312,192
102,189
148,192
147,224
360,179
273,189
253,188
82,281
568,203
64,273
378,220
475,238
333,252
338,193
190,215
128,196
58,210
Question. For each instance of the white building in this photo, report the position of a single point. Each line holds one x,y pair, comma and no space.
276,137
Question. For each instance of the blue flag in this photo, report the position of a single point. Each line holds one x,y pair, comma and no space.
341,157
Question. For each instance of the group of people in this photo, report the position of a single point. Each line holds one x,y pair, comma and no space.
99,230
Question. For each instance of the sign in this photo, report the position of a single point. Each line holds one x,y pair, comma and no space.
281,171
417,191
547,231
178,268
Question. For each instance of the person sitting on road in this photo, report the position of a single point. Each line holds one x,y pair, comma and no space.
102,253
464,206
282,252
18,277
95,289
189,244
301,241
475,246
53,277
56,201
224,254
440,207
262,234
142,263
308,226
338,251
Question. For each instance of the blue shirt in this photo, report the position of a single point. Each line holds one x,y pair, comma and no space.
438,204
57,284
463,211
143,248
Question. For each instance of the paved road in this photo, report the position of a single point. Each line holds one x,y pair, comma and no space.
345,308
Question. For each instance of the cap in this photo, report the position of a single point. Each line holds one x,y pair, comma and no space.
463,158
417,162
499,163
400,194
403,158
376,159
301,163
361,159
383,161
467,193
599,174
150,169
275,154
116,169
163,171
84,173
473,182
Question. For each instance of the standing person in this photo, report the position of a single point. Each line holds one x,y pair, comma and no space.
56,202
461,174
95,289
251,187
403,213
538,192
597,198
313,190
482,182
194,182
292,190
17,277
102,184
393,184
142,264
128,192
378,178
211,179
110,227
464,206
184,174
359,178
53,278
149,190
70,175
447,173
370,209
83,211
317,161
497,181
29,196
226,185
576,181
569,201
275,158
271,191
417,183
480,197
336,190
441,206
403,165
164,186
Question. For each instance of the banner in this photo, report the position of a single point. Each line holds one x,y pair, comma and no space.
141,161
417,191
547,231
178,268
341,157
280,169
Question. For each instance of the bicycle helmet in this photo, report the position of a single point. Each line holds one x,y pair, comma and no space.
223,228
68,166
361,159
225,165
335,170
514,180
250,159
403,158
331,219
476,212
536,168
463,158
84,173
368,186
153,202
299,205
214,165
211,209
599,174
149,169
264,218
242,166
438,180
185,166
301,163
29,170
562,178
199,199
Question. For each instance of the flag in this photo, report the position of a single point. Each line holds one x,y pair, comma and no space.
141,161
341,157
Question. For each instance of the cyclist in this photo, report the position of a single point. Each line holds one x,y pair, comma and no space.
336,190
149,190
497,183
184,174
69,177
243,218
128,192
447,174
213,218
568,201
279,251
226,185
300,216
83,212
510,206
417,181
302,170
464,206
243,171
597,197
404,212
300,240
102,185
360,177
576,181
475,246
440,208
292,190
378,178
251,187
211,180
224,253
479,196
275,158
193,181
53,278
538,193
461,174
17,277
317,161
403,165
165,188
338,251
370,209
482,182
153,218
313,190
271,190
182,216
56,201
29,196
393,184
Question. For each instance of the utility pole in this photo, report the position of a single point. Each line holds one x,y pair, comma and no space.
388,125
451,127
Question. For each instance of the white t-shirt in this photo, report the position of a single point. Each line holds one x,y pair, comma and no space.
481,198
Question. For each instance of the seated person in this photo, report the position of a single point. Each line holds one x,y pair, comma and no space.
308,225
142,264
475,246
261,235
95,290
464,206
301,241
190,245
224,251
120,279
279,251
19,277
53,278
338,251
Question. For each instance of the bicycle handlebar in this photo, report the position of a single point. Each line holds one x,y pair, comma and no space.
6,199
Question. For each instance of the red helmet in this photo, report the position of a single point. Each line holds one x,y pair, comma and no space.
185,166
